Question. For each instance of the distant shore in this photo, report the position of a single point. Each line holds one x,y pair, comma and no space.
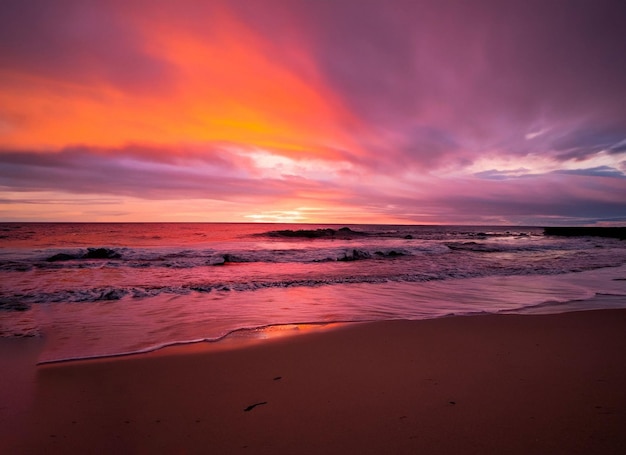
480,384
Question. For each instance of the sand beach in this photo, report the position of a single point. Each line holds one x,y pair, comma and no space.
480,384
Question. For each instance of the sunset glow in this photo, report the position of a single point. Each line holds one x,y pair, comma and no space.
303,111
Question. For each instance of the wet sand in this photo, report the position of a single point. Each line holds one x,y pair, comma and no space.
482,384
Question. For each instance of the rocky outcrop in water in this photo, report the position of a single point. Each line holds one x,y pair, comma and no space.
92,253
389,254
225,259
341,233
62,257
355,255
13,305
101,253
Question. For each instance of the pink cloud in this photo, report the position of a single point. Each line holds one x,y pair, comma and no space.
395,108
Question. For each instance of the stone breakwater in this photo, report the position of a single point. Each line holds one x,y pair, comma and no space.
579,231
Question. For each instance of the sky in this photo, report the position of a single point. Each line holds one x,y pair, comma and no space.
343,111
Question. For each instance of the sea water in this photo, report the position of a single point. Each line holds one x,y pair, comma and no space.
97,289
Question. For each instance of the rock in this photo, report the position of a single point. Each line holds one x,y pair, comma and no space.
61,257
355,255
344,232
306,233
112,294
221,260
390,254
101,253
13,306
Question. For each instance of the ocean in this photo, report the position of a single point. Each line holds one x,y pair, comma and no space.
99,289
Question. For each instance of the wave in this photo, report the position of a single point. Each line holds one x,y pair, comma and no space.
494,247
23,301
403,232
97,257
296,246
124,326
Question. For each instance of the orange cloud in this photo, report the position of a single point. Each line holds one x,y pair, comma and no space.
232,89
227,87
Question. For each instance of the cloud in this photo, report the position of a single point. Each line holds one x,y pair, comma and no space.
581,145
495,174
486,76
133,172
141,173
600,171
404,109
76,42
518,201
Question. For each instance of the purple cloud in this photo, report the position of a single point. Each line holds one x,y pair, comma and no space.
133,172
484,73
79,42
447,110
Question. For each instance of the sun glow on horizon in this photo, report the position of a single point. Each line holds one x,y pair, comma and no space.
292,216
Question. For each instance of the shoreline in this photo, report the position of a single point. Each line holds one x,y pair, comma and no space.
143,325
479,384
237,339
244,336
